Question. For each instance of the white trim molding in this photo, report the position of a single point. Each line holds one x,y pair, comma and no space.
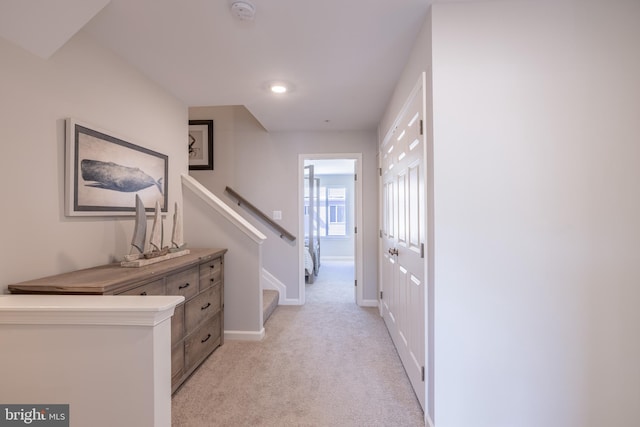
244,335
358,218
104,310
369,303
222,208
339,258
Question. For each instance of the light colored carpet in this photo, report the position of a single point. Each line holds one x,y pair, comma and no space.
327,363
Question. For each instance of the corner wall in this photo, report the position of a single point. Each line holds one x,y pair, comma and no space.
84,81
206,228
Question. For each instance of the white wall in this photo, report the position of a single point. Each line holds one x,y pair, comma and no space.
89,352
536,212
84,81
262,167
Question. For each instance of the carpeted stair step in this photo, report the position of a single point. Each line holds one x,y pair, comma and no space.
269,303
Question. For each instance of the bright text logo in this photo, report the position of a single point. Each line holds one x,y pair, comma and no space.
34,415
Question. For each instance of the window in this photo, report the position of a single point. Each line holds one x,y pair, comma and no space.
335,205
331,219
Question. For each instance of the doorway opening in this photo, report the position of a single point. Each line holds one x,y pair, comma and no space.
330,206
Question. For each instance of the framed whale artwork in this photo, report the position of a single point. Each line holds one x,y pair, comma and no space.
104,173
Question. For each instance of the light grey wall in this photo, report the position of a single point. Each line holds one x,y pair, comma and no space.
263,167
205,228
536,206
84,81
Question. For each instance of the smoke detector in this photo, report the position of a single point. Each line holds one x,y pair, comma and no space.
243,10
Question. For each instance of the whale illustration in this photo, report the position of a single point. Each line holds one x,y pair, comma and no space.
112,176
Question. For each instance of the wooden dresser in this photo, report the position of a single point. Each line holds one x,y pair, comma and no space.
197,326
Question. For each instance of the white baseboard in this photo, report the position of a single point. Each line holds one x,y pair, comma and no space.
369,303
244,335
336,258
269,281
289,301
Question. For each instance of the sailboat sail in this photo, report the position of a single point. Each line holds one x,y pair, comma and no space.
177,237
156,230
140,230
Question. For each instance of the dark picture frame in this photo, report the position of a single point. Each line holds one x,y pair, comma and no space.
200,144
103,174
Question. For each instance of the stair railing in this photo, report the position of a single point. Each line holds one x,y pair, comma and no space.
284,234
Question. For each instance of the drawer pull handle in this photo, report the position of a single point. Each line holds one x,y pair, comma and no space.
186,285
206,339
212,266
143,293
204,307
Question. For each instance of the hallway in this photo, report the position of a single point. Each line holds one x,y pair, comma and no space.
333,284
328,363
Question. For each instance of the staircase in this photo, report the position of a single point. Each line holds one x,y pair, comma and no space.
269,303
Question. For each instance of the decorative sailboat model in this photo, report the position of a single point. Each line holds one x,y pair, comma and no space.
157,235
156,253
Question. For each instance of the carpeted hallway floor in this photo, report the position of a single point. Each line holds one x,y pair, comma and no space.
327,363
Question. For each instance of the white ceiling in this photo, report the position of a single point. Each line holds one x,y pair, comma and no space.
42,26
343,57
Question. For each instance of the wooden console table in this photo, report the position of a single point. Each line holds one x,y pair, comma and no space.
197,326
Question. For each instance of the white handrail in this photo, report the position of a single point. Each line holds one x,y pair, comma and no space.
222,208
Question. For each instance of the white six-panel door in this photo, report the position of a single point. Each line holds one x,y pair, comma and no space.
403,238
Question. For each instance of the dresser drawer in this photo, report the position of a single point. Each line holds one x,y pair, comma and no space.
203,341
202,307
177,324
210,272
207,282
184,283
152,288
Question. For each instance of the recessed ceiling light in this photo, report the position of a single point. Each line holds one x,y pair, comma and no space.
278,88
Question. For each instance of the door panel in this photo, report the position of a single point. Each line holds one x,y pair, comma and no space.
402,235
414,208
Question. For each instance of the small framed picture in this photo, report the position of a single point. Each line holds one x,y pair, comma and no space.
200,144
